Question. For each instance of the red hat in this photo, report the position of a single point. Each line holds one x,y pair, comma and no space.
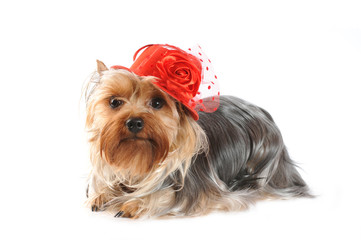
180,74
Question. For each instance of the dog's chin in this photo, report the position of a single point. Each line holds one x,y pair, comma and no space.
134,155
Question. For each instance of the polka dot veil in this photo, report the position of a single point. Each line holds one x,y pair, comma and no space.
207,97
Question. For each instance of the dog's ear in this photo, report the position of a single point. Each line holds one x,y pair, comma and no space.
101,67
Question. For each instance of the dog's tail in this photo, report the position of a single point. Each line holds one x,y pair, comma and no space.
286,182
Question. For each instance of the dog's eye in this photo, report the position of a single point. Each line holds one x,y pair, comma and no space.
114,103
157,103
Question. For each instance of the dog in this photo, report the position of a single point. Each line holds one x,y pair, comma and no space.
159,148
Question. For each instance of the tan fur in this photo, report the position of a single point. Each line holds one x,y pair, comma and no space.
127,172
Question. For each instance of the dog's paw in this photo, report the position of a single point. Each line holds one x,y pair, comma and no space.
119,214
128,210
95,208
98,204
123,214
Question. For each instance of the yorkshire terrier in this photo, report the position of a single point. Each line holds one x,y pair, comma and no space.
160,146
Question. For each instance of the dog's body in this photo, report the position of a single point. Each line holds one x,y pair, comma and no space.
151,158
247,159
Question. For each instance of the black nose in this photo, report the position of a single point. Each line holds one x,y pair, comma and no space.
135,125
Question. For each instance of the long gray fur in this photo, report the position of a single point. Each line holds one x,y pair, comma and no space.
246,152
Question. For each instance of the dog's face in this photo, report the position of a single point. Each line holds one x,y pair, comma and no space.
134,124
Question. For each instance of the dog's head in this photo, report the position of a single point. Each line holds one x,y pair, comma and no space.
135,126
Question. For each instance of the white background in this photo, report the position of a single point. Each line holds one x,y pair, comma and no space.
299,60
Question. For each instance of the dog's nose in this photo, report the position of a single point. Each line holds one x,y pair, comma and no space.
135,125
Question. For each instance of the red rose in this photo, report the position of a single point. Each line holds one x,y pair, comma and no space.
180,74
177,72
